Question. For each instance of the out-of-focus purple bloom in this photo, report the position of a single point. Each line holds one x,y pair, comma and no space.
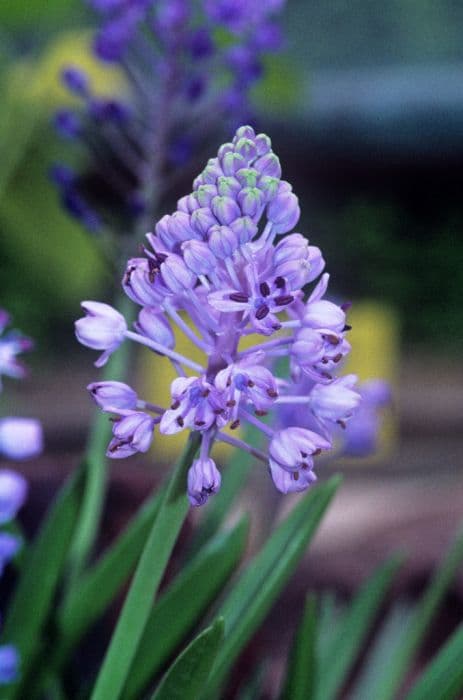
174,62
13,492
220,269
76,80
362,431
9,547
20,438
11,345
102,328
203,480
9,664
67,123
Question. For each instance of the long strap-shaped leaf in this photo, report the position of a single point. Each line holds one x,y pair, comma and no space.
301,675
352,631
255,591
443,678
41,574
183,603
150,569
91,595
390,681
186,677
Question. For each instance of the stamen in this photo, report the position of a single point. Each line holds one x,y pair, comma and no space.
239,297
283,300
262,312
264,289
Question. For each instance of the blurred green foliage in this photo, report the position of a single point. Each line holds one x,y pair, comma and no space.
410,262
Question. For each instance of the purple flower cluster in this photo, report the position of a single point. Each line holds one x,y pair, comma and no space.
13,491
20,438
222,267
179,58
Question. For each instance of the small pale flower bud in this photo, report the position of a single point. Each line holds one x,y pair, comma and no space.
228,186
244,228
202,219
103,328
109,395
203,480
232,162
153,324
246,148
225,209
251,201
268,164
223,241
199,257
177,277
283,211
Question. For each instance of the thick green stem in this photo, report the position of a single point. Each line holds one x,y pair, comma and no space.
153,561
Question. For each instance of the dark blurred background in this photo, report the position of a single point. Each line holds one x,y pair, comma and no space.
365,109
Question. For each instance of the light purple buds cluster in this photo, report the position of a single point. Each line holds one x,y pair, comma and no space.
224,266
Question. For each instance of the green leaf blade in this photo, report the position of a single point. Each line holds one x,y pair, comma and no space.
341,654
443,678
301,676
264,578
188,674
176,611
153,561
40,577
391,679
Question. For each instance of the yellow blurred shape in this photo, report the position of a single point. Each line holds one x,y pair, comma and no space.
375,355
41,81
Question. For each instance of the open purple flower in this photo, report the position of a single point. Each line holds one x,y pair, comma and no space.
221,268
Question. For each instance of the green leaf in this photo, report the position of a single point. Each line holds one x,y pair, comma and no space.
392,676
381,650
301,675
255,591
342,653
35,592
177,610
135,613
186,677
93,592
443,677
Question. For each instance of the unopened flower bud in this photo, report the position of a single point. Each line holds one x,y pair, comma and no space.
109,395
175,274
225,209
223,241
202,219
251,201
244,228
103,328
232,162
153,324
268,164
199,257
228,186
203,480
283,211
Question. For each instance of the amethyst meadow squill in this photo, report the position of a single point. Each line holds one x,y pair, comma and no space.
224,266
